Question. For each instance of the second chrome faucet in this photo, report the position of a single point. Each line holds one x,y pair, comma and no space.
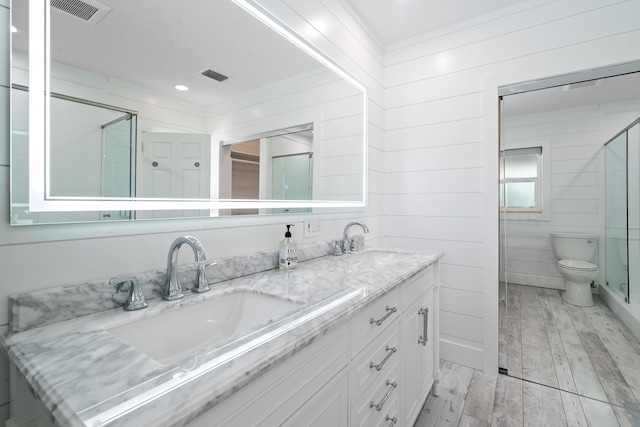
348,245
172,289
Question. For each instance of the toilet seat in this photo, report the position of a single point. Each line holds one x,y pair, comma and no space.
577,265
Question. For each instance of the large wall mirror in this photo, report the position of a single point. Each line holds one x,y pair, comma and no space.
176,109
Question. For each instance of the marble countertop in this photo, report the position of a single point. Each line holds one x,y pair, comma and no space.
85,376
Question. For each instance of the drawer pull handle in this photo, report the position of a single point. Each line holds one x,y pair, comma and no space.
425,337
393,420
390,351
386,396
390,311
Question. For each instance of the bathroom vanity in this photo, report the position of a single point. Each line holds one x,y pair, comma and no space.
346,340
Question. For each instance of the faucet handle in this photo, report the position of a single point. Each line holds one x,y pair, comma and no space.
135,300
357,242
201,285
336,247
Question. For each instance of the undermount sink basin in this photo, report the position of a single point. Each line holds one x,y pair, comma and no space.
379,257
173,335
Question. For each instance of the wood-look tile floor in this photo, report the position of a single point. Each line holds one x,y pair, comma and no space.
567,366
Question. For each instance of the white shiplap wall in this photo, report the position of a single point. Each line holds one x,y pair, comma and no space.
577,139
442,141
38,257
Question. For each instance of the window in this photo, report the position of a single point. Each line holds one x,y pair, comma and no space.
521,179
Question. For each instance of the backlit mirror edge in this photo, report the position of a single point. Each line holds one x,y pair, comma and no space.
39,188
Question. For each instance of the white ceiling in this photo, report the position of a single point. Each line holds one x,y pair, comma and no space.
391,21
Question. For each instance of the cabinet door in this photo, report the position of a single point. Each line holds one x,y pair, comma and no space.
327,408
417,356
280,392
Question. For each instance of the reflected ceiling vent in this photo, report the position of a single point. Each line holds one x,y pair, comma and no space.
90,11
213,75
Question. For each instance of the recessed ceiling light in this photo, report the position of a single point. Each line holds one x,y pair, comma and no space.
14,29
182,88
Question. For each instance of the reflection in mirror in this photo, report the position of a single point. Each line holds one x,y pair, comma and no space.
245,81
101,139
276,166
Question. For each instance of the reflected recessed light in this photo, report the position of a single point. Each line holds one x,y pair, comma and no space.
182,88
14,29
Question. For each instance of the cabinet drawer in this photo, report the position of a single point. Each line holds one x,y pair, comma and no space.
374,319
383,353
417,285
365,413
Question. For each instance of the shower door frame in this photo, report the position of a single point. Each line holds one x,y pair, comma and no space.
634,210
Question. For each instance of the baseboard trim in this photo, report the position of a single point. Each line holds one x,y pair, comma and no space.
461,354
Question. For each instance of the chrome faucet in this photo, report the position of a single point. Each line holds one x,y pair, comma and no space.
173,290
346,243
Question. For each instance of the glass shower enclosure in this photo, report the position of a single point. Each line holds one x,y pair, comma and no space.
622,213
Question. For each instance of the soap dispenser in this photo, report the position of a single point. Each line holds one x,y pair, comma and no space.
288,256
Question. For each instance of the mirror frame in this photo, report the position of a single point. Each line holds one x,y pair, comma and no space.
40,199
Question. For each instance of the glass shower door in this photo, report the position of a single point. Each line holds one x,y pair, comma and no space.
633,216
616,215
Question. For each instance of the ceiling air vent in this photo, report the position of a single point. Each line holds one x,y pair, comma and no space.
86,10
213,75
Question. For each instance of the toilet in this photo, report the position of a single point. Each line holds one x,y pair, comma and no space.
574,252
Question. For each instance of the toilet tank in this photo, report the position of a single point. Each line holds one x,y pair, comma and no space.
578,246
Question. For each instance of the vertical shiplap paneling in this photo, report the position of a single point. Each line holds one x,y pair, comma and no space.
436,83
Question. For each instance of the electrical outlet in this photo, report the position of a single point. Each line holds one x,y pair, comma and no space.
312,226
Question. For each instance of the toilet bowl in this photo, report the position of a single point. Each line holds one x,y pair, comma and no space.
574,252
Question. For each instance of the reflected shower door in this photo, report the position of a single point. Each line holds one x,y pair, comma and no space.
291,179
118,163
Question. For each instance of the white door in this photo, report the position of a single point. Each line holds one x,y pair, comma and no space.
175,165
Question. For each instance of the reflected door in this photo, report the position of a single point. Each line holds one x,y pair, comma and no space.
175,165
291,178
